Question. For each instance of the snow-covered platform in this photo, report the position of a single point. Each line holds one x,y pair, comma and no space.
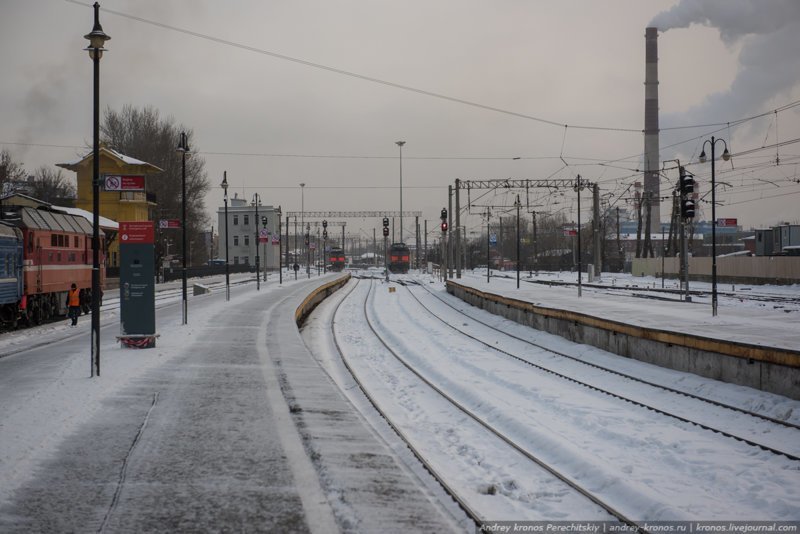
743,344
228,425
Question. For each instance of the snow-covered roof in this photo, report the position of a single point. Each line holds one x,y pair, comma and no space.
113,154
88,215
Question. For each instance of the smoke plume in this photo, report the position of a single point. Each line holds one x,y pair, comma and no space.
769,31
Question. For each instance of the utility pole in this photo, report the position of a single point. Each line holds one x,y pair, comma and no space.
459,242
598,248
449,226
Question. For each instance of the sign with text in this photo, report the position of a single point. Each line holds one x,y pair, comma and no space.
141,232
727,222
263,236
120,182
169,223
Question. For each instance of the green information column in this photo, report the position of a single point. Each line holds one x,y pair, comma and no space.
137,287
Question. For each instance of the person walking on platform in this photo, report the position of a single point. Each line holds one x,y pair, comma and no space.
74,303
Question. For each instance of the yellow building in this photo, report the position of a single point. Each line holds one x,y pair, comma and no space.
114,205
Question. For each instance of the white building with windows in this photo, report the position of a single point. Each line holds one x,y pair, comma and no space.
245,223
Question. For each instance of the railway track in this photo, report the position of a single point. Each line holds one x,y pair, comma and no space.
456,406
788,430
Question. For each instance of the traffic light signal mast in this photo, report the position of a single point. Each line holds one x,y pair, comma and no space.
686,189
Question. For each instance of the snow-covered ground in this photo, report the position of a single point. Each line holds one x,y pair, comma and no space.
648,465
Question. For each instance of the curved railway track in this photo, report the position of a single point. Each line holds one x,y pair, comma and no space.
460,407
627,376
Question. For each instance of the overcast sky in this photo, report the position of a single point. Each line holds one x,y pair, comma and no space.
273,123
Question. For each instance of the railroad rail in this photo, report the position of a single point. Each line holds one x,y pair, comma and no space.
471,512
494,347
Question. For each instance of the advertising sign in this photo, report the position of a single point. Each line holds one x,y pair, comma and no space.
119,182
169,223
727,222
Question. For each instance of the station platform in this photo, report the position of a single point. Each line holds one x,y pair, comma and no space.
240,431
744,344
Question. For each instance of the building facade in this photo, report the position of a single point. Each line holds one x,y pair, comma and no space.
114,205
244,225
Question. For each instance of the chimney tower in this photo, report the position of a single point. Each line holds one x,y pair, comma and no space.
652,162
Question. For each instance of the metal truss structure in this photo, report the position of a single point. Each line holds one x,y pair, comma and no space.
352,214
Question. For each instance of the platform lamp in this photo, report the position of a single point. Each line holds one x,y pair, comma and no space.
227,264
183,149
264,221
97,39
256,202
725,156
400,145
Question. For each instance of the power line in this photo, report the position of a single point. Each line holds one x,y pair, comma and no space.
354,74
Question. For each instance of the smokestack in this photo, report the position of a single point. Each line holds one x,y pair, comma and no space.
651,147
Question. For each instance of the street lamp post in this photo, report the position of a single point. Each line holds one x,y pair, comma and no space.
517,205
308,250
183,148
227,264
97,39
302,223
256,202
264,224
280,245
725,156
400,144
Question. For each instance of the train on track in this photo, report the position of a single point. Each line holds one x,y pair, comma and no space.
336,259
43,252
399,258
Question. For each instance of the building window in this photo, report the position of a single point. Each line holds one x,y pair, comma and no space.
246,219
236,260
246,239
247,260
236,241
236,220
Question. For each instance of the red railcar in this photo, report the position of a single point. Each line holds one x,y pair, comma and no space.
57,252
336,259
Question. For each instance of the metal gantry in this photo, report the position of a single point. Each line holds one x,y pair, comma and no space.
353,214
504,183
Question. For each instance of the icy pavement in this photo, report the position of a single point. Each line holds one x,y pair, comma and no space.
227,425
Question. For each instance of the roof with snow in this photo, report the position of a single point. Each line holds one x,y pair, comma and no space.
121,159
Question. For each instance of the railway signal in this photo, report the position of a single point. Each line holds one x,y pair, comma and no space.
443,216
386,227
686,186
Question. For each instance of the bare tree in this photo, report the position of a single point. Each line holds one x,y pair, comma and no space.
10,171
51,186
145,135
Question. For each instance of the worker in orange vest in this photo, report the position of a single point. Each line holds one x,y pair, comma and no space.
74,303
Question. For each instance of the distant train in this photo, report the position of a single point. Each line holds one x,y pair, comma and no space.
336,259
399,258
43,252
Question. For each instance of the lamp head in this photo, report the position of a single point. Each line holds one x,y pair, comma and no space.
97,37
224,184
703,156
726,155
183,144
400,143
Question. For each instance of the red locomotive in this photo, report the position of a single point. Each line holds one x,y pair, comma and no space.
56,252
